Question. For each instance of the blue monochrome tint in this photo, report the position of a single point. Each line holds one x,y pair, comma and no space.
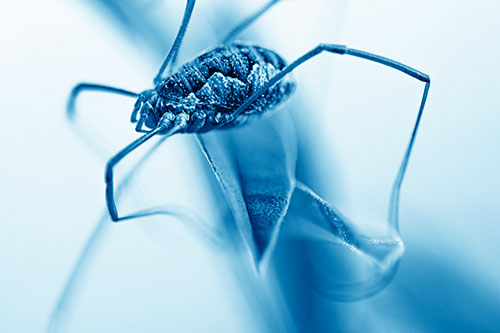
225,88
308,191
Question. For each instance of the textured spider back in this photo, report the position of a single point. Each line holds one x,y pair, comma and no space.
217,82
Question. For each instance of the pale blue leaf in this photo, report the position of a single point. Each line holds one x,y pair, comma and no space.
255,166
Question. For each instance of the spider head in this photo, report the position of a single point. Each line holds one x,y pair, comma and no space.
147,110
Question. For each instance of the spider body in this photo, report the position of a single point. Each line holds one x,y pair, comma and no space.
207,90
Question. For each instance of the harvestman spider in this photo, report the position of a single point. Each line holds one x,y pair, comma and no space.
219,89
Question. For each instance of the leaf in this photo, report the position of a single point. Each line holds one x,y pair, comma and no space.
255,166
372,258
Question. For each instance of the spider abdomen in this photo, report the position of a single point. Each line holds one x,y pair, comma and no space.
219,81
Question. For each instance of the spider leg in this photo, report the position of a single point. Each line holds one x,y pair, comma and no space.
342,49
337,49
84,86
82,131
172,53
163,128
248,21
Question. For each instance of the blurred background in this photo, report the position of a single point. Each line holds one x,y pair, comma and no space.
158,275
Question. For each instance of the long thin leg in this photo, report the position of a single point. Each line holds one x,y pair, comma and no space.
338,49
110,198
80,129
84,86
172,53
341,49
180,123
394,203
249,20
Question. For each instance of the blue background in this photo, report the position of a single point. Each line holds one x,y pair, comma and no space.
153,276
